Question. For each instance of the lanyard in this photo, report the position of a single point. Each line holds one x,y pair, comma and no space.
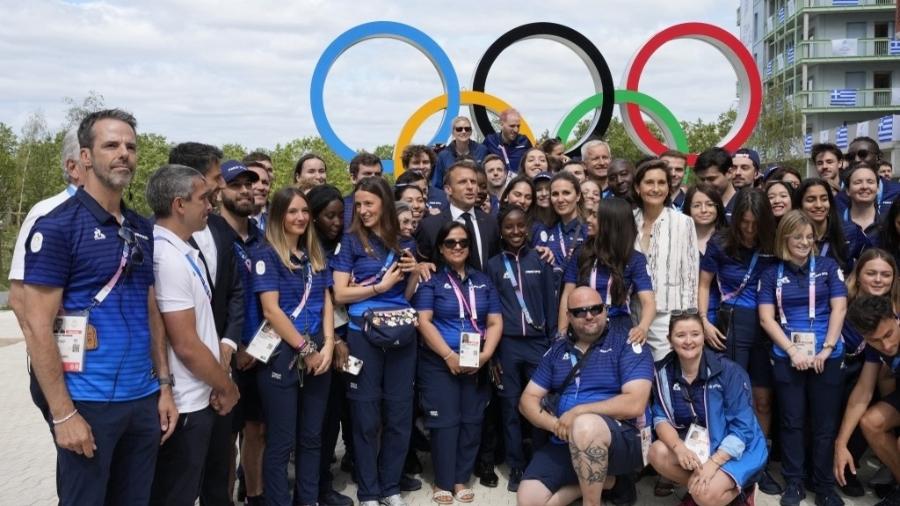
812,292
516,284
309,278
505,156
728,296
104,292
243,254
562,240
464,306
688,398
193,265
384,268
71,189
574,361
608,284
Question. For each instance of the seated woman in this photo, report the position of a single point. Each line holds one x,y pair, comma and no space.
699,392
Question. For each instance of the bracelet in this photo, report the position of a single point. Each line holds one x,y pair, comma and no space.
448,355
827,345
375,290
789,348
65,418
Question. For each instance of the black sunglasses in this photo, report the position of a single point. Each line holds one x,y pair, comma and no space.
136,257
581,312
862,154
681,313
463,129
455,243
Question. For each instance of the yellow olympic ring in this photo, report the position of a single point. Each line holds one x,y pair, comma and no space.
440,102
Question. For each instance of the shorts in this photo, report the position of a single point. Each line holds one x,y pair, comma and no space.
552,463
249,406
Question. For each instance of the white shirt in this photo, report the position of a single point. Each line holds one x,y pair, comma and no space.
457,215
41,209
207,245
180,287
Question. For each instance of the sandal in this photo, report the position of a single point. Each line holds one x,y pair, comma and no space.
465,495
663,487
442,497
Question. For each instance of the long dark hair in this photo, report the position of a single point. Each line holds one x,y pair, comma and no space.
390,225
436,257
319,198
612,246
754,201
889,238
579,204
834,230
711,194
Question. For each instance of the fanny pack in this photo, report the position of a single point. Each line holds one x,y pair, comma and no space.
390,328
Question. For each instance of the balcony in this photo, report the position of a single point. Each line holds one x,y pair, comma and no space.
861,100
848,4
862,49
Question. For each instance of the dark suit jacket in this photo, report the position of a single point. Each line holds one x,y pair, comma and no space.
228,293
487,229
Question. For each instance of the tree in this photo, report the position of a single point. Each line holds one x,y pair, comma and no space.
77,112
777,136
153,153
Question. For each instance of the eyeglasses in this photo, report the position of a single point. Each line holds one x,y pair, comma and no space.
463,129
681,313
136,257
456,243
861,154
582,312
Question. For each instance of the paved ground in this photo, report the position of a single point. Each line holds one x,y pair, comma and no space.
28,456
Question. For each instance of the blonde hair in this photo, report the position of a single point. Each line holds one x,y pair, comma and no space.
281,202
791,222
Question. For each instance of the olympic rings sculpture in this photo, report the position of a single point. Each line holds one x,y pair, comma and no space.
631,101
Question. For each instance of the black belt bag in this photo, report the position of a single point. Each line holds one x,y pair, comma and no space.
390,328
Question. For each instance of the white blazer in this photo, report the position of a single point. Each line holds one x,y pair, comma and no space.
673,259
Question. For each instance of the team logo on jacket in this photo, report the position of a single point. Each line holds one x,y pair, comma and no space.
98,234
37,241
260,267
543,235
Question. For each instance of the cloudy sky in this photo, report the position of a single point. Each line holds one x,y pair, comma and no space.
230,71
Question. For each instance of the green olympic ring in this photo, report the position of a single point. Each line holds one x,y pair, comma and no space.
661,116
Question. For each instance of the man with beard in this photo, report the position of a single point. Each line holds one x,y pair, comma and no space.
713,167
826,158
745,168
508,144
91,259
260,193
596,156
677,162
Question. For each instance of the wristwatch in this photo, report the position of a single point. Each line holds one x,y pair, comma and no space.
166,380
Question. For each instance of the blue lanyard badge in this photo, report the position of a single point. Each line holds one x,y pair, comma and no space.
574,362
194,267
728,296
812,292
516,284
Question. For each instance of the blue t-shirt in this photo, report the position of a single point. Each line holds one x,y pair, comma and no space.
351,257
437,295
855,242
874,356
271,275
636,276
829,283
243,252
562,240
731,272
613,365
714,295
77,247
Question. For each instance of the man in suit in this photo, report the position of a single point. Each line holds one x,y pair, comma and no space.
461,186
215,243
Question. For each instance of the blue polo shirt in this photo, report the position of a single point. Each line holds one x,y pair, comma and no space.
349,205
436,199
437,295
271,275
636,276
854,240
243,252
616,363
351,257
888,192
730,272
77,247
510,153
829,283
689,399
562,239
714,295
874,356
854,343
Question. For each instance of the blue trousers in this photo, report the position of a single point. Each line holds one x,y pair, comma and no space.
182,458
518,356
807,397
381,409
294,416
453,407
747,345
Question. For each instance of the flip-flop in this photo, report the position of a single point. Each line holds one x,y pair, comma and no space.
442,497
465,495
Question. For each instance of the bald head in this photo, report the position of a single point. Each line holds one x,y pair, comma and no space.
587,315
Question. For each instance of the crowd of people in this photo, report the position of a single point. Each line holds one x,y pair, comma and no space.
588,322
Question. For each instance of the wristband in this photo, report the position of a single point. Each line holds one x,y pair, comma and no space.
828,346
65,418
448,355
375,290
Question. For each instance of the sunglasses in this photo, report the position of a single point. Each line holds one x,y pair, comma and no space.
463,129
681,313
136,257
862,154
581,312
456,243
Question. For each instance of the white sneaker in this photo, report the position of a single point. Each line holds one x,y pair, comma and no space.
394,500
368,503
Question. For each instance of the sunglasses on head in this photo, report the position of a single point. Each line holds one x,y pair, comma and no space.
681,313
581,312
463,129
455,243
861,154
136,257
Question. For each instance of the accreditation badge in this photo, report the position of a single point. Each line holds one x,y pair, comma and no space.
805,343
70,332
646,440
264,342
469,349
697,441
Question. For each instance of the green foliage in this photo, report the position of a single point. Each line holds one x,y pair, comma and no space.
777,136
153,153
233,151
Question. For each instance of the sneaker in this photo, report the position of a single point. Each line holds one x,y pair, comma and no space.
334,498
409,484
368,503
793,494
412,464
891,499
394,500
515,478
768,485
853,488
830,498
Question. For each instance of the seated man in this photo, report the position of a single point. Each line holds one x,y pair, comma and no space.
595,435
873,317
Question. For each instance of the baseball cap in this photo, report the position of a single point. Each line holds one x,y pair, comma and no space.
542,175
749,153
231,169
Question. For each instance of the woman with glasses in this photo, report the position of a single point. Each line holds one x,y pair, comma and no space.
669,241
461,145
292,280
566,230
708,439
863,188
841,242
459,310
374,276
802,303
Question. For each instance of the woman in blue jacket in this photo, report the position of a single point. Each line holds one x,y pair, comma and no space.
291,277
373,275
458,302
699,391
802,303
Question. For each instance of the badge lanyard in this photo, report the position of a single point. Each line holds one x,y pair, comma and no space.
384,268
608,284
562,240
728,296
464,306
812,292
505,155
243,254
688,398
193,265
574,361
306,291
514,281
104,292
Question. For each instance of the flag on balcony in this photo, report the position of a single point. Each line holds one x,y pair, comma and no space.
769,69
886,128
843,98
840,139
781,14
844,3
894,47
790,55
807,144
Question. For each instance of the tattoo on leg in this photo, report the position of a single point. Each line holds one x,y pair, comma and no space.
591,463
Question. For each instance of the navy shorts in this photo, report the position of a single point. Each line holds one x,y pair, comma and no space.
552,463
249,407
